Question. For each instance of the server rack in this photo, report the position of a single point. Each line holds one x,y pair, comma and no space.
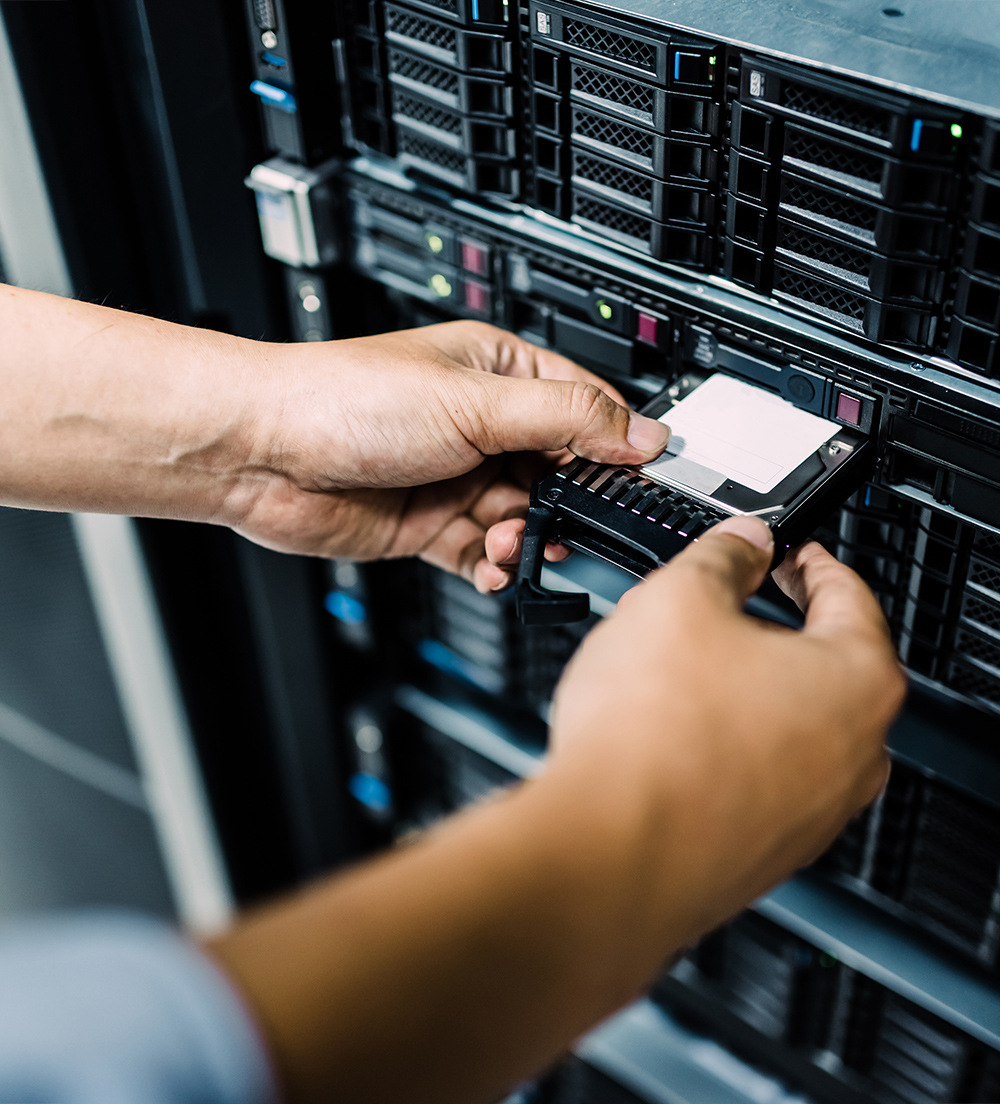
805,196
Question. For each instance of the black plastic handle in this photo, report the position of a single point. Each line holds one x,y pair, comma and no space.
535,604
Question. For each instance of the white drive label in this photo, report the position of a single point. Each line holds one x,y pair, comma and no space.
740,432
756,83
544,23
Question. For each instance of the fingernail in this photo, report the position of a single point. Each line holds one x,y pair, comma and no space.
647,434
750,529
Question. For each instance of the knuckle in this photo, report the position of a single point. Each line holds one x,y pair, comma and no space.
587,403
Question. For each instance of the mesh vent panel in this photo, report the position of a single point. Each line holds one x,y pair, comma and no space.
803,287
264,16
953,868
414,27
984,574
612,219
430,152
829,205
797,240
599,40
977,647
985,543
917,1057
629,94
616,135
982,612
817,150
428,114
975,683
833,108
614,177
422,72
444,5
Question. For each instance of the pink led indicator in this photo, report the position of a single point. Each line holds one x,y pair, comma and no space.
848,409
474,258
647,328
477,297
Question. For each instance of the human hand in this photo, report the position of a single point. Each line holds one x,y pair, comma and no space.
721,751
417,443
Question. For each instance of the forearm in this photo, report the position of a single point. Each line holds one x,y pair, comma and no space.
458,965
115,412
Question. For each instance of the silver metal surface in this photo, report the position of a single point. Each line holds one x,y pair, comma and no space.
140,661
888,952
643,1048
288,201
944,49
29,240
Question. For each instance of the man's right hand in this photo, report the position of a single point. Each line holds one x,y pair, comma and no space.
725,751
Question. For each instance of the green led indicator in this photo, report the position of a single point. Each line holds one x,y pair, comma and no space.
435,243
956,130
440,285
712,60
605,310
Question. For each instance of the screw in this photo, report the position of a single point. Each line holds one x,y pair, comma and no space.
554,494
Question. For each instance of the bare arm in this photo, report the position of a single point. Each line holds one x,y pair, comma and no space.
384,446
458,965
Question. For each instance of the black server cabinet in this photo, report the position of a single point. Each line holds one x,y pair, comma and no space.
802,197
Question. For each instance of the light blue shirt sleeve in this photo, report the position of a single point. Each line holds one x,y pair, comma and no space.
111,1008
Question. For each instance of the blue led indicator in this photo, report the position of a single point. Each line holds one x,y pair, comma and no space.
276,97
345,608
677,66
371,792
475,10
868,497
918,126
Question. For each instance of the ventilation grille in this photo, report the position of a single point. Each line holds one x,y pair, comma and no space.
971,645
984,574
450,6
627,95
795,239
981,612
264,15
410,68
799,286
613,177
612,220
986,543
954,865
426,32
833,108
616,136
599,40
916,1056
418,111
430,153
840,208
813,149
974,683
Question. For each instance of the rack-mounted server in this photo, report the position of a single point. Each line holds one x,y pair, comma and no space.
804,198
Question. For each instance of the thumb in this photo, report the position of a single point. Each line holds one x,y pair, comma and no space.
533,415
724,566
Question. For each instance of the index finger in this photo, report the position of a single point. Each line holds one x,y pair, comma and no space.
834,599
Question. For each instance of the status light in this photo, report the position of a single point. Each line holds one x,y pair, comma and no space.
956,130
605,310
435,243
440,285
